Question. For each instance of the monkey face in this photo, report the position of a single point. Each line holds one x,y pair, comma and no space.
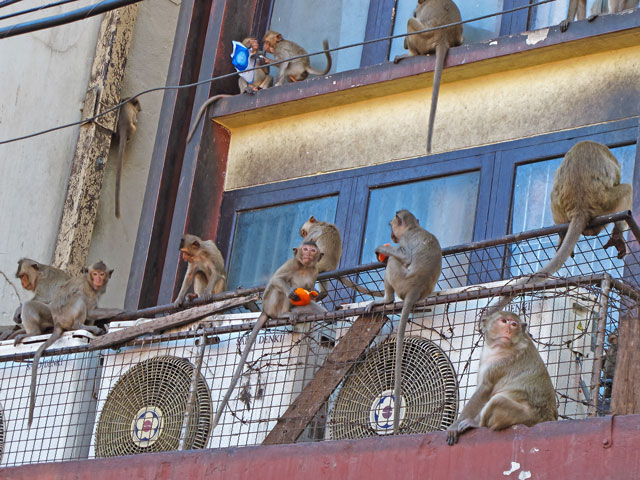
98,278
26,282
307,253
397,229
503,328
186,255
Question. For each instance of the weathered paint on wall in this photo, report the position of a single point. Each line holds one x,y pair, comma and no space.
488,109
114,239
606,447
44,78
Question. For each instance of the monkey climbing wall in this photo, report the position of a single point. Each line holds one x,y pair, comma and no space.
330,376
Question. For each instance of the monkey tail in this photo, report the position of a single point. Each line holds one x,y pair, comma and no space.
407,306
121,145
236,375
359,288
442,49
313,71
577,225
57,333
201,111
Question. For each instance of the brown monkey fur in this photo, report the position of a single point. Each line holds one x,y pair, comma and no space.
413,268
127,120
577,9
327,236
35,314
514,386
261,80
299,271
261,77
69,308
295,70
430,14
205,269
585,185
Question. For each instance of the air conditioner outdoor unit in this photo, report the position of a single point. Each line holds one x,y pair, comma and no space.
442,352
143,394
64,406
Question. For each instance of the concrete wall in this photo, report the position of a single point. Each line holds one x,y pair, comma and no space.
44,79
483,110
43,83
114,239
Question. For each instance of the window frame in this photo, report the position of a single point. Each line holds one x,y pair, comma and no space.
496,163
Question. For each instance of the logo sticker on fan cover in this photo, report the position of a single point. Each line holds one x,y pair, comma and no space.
146,427
381,415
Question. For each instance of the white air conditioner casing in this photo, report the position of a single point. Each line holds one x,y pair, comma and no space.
555,317
285,360
64,407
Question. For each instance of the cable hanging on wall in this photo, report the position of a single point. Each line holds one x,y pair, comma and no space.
235,73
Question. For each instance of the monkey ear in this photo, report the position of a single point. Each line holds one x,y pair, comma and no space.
279,37
110,272
196,244
312,219
35,266
295,251
320,255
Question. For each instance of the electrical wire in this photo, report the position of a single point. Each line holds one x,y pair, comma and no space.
273,63
36,9
6,3
64,18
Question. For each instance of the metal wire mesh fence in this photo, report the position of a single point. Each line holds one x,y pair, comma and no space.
329,376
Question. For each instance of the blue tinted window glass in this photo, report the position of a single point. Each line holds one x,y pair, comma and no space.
473,32
444,206
264,238
308,22
532,209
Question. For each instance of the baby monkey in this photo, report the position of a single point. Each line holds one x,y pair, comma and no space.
73,301
513,383
413,268
205,269
295,70
301,271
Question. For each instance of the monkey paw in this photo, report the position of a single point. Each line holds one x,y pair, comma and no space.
293,295
618,242
452,437
293,319
564,25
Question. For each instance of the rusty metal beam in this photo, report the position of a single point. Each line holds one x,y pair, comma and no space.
342,359
605,447
94,140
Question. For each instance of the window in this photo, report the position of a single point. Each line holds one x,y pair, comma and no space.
553,13
532,209
266,237
343,22
430,201
461,197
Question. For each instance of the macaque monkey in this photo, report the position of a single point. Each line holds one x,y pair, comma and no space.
127,120
430,14
513,383
413,268
301,271
577,9
261,80
261,77
327,236
70,306
295,70
35,314
585,185
205,269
